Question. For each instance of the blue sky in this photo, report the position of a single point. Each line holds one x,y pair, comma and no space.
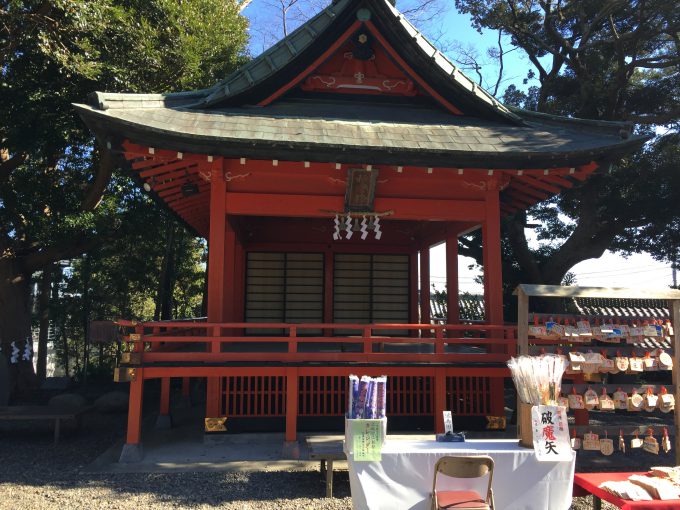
450,30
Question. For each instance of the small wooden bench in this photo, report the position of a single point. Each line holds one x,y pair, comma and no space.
16,413
326,449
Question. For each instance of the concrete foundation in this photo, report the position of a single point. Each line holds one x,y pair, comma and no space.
131,453
291,450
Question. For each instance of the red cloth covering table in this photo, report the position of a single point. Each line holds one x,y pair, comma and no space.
590,483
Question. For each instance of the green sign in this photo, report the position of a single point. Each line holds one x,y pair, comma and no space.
366,439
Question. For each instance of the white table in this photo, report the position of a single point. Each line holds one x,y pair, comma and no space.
403,479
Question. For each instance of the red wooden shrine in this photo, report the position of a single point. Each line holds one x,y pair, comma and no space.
321,174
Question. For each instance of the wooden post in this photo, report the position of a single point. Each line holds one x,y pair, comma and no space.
676,366
165,396
425,289
291,403
212,404
216,273
522,322
218,196
523,410
134,429
439,399
230,284
493,285
452,302
493,270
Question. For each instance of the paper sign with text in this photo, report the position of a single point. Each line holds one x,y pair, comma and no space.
448,422
367,440
551,434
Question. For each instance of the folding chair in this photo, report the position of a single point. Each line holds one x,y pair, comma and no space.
463,467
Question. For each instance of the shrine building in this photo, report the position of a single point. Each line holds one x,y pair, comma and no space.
321,173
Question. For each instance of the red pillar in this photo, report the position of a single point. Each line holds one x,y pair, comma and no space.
218,197
493,272
425,288
493,285
216,273
230,278
134,429
439,399
452,303
291,403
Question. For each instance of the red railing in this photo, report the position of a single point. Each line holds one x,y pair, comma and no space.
203,342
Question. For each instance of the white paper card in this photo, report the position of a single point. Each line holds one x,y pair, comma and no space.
551,434
448,422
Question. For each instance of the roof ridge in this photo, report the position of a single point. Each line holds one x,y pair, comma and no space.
608,124
222,88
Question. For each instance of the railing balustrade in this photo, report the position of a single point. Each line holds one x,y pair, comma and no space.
205,342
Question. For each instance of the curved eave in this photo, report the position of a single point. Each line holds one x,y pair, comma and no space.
193,227
111,126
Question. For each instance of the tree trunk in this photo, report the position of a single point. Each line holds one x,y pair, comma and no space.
44,318
64,339
61,330
15,327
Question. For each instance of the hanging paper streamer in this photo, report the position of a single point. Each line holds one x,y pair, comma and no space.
364,228
376,226
14,357
28,350
348,226
336,229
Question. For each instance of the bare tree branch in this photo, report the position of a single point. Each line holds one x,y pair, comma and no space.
243,5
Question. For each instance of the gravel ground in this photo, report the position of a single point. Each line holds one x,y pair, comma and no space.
35,474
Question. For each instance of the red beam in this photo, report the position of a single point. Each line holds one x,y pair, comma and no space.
319,206
320,357
538,183
556,179
198,371
170,167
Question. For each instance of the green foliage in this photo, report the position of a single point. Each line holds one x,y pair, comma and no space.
53,54
604,60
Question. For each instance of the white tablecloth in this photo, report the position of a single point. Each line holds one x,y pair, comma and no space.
403,479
